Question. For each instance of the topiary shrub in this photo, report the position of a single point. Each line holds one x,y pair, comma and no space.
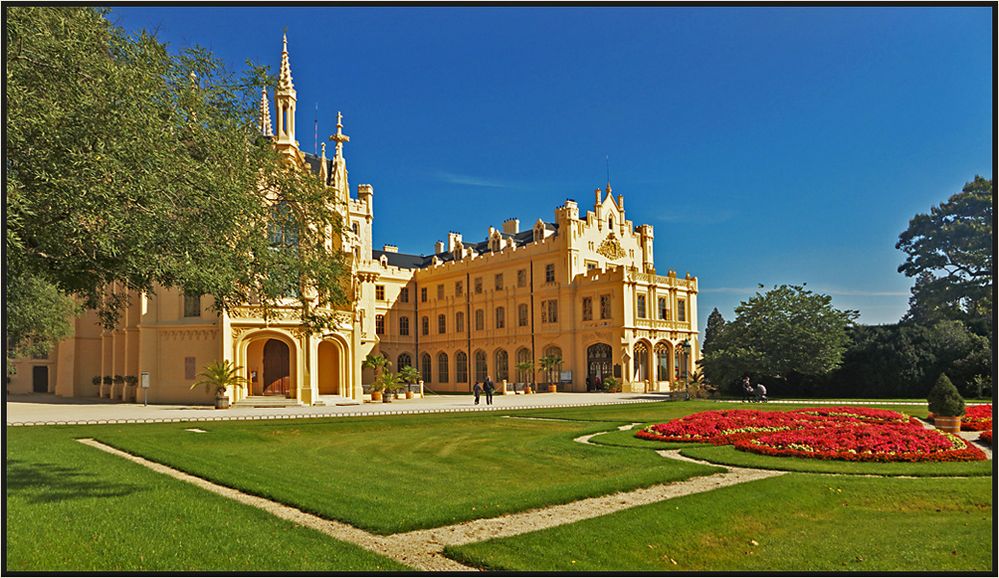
945,401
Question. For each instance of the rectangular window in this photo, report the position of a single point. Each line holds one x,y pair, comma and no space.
478,285
549,311
522,315
640,306
500,318
681,309
404,295
499,282
189,368
423,294
587,308
440,291
458,289
480,319
379,324
425,323
550,273
404,325
380,292
192,305
459,322
522,278
590,265
663,309
605,307
441,324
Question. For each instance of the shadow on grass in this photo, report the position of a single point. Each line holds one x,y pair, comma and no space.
38,482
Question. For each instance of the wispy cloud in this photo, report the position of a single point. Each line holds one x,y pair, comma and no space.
472,181
697,217
836,292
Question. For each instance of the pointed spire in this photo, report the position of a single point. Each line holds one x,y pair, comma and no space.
284,79
323,172
265,114
339,138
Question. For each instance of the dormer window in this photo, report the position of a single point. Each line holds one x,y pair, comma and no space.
610,222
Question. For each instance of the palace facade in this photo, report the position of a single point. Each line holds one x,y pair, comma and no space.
581,288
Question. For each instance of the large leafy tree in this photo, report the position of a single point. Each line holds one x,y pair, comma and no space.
949,252
130,168
784,334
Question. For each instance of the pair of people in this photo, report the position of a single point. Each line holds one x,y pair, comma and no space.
488,387
750,393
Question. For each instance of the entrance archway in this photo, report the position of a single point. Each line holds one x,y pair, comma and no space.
598,363
277,368
329,369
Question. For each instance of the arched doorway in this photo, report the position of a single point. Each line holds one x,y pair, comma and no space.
329,369
277,368
598,363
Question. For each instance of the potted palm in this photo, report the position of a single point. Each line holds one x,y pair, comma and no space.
525,367
408,375
550,365
946,405
611,384
118,380
97,382
131,381
378,363
389,382
218,377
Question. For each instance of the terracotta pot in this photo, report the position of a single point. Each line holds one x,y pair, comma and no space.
948,424
376,396
221,403
409,395
552,388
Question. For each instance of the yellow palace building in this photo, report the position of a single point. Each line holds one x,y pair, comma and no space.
582,287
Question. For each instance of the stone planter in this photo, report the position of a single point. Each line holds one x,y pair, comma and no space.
948,424
552,388
409,394
221,403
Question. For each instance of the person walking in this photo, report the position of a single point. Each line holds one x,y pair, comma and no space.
489,388
748,394
477,390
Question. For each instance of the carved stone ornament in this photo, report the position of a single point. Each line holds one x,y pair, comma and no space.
611,248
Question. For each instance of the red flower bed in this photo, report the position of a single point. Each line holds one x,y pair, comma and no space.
977,418
986,437
838,432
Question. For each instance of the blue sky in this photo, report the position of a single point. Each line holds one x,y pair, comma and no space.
766,145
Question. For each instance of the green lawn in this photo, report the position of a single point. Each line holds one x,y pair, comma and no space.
74,508
794,523
398,473
627,439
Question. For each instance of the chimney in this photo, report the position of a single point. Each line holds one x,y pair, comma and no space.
390,248
511,226
438,247
453,239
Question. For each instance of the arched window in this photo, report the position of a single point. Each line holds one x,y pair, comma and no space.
523,356
610,222
461,367
442,376
425,367
502,365
283,230
641,362
662,362
404,360
481,370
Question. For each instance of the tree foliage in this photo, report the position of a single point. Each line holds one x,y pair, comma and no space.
784,334
714,326
949,252
130,168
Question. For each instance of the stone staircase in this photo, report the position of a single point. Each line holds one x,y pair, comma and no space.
335,400
267,401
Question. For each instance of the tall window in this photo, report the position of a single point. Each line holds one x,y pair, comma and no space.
442,376
481,371
587,308
404,295
500,318
283,230
498,282
380,292
605,308
522,315
681,309
478,285
502,365
522,278
640,307
440,290
192,305
380,324
458,288
404,360
523,356
662,363
610,222
663,309
425,367
550,273
641,362
459,322
441,323
404,325
461,367
425,326
423,294
356,228
480,320
549,311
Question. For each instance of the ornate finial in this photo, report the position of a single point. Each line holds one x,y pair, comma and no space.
284,78
324,151
608,188
339,138
265,114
